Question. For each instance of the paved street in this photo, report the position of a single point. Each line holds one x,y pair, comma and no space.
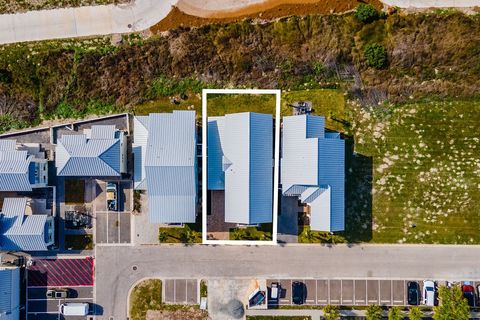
455,263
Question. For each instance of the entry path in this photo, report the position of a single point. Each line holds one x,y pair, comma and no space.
138,16
115,273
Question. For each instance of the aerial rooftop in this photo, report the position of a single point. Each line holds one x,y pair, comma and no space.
98,152
19,231
313,169
165,165
240,161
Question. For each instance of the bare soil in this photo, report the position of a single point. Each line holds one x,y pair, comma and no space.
268,10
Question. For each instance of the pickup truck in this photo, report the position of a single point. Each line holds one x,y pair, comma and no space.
112,196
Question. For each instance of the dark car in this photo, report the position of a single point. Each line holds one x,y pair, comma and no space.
413,293
298,292
469,294
257,299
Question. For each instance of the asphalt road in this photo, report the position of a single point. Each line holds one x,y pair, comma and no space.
115,273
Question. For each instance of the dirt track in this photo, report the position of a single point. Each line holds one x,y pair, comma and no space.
188,15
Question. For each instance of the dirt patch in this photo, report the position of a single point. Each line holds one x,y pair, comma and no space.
268,10
192,314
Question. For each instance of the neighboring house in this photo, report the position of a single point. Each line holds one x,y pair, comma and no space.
165,165
99,152
21,230
9,293
313,169
22,167
240,161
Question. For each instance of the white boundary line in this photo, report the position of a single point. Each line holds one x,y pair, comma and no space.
277,94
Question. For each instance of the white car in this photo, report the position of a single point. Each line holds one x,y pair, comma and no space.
428,293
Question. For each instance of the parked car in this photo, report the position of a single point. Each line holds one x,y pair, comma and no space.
112,196
469,293
428,293
57,293
298,292
74,309
413,293
257,298
274,292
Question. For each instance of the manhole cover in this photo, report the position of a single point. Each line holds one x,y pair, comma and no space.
134,267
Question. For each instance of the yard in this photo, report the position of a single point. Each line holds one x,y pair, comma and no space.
74,191
146,303
262,233
412,170
79,242
221,104
189,233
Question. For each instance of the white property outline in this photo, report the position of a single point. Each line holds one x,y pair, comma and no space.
277,93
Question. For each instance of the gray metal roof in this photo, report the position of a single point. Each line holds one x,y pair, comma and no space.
14,167
99,155
240,159
9,293
165,150
314,161
21,232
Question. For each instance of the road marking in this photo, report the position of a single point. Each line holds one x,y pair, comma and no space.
397,301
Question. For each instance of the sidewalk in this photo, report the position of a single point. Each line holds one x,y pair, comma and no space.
82,21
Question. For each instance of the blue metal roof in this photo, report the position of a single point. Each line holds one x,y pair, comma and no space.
240,161
20,232
97,155
9,293
165,155
14,167
312,158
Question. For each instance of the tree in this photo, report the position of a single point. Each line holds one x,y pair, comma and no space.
374,312
395,313
162,236
415,314
375,55
452,305
331,312
366,13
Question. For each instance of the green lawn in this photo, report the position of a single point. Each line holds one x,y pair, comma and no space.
79,242
189,233
221,104
163,104
262,233
412,170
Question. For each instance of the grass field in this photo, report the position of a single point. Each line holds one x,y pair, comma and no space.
412,170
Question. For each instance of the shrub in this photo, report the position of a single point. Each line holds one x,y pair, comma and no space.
331,312
366,13
374,312
395,313
415,314
375,55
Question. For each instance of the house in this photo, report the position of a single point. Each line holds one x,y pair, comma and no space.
99,152
22,230
240,162
22,167
165,165
9,293
313,169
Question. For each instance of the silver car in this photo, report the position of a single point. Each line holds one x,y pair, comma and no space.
429,293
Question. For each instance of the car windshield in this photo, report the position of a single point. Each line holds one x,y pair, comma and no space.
429,289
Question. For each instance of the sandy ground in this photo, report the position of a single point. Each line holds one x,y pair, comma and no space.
195,13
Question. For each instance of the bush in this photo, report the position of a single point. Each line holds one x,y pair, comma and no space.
395,313
366,13
374,312
415,314
331,312
375,55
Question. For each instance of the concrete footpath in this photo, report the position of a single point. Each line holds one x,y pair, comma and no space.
82,21
140,15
